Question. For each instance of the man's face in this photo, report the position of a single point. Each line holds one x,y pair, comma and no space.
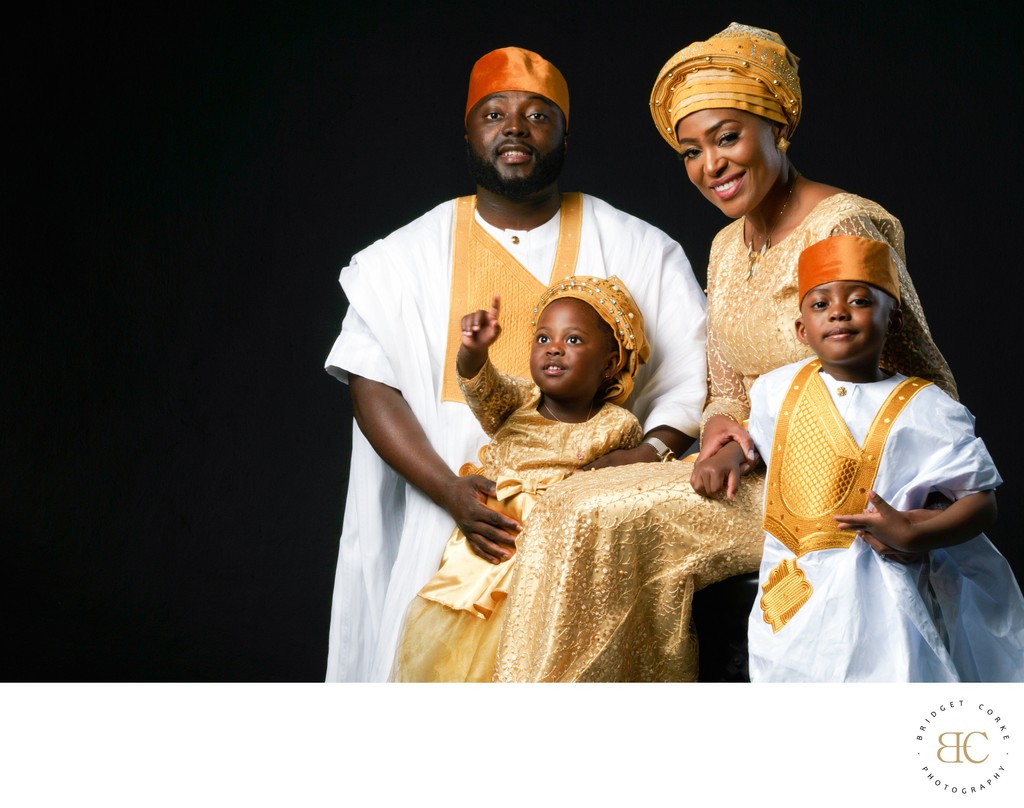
515,143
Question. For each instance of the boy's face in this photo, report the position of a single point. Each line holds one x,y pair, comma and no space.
572,350
846,323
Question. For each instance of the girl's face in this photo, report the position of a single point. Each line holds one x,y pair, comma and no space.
730,155
572,350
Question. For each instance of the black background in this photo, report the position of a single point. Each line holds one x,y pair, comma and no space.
182,188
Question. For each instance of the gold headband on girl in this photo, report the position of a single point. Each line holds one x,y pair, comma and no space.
741,67
613,303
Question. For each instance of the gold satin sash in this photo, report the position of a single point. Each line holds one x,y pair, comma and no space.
466,582
817,471
481,268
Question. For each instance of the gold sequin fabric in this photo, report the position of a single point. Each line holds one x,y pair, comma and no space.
607,567
609,560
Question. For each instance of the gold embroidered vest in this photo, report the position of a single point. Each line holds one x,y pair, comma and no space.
818,470
481,268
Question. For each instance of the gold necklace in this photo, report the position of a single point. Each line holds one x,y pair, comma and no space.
572,426
754,257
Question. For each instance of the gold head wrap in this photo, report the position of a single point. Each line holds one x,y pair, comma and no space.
741,67
517,69
610,298
848,258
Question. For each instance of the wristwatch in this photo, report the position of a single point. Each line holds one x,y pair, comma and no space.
662,448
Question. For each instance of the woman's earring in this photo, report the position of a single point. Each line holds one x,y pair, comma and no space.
782,144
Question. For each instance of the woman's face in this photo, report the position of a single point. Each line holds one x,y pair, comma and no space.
730,155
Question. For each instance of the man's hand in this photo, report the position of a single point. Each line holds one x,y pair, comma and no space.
490,534
644,453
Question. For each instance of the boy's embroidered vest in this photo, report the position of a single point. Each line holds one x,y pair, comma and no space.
481,268
817,470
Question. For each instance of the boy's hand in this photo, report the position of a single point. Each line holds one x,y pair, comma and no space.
480,329
884,528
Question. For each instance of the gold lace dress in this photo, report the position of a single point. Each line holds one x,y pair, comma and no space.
609,561
452,627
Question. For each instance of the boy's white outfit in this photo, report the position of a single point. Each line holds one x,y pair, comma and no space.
845,613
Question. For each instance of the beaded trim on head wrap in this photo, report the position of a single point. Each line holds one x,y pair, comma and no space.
610,298
517,69
741,67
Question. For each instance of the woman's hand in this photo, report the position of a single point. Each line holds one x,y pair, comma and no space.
721,430
719,473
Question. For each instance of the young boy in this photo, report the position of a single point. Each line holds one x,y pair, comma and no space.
860,579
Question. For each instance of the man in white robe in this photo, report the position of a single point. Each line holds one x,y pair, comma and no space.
411,437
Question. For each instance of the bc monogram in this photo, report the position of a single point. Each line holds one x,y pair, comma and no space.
962,743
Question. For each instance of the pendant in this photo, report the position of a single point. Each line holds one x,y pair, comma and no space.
754,257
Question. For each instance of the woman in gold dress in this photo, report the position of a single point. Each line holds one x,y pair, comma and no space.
609,560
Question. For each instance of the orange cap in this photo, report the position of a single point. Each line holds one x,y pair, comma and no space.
517,69
848,258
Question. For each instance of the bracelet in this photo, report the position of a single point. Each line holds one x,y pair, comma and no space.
665,453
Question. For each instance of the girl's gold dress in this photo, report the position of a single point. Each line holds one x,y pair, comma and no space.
452,627
608,563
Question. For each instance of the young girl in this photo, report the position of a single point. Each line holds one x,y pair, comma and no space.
587,345
860,581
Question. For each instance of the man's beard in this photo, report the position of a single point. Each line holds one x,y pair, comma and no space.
546,171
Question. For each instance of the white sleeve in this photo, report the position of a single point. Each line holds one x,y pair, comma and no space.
761,423
357,350
933,447
675,378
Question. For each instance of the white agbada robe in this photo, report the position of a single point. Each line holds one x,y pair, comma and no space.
959,616
395,332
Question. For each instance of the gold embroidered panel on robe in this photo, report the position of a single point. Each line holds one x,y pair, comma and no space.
818,470
481,268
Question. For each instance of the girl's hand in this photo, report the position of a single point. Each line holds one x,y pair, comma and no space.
480,329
